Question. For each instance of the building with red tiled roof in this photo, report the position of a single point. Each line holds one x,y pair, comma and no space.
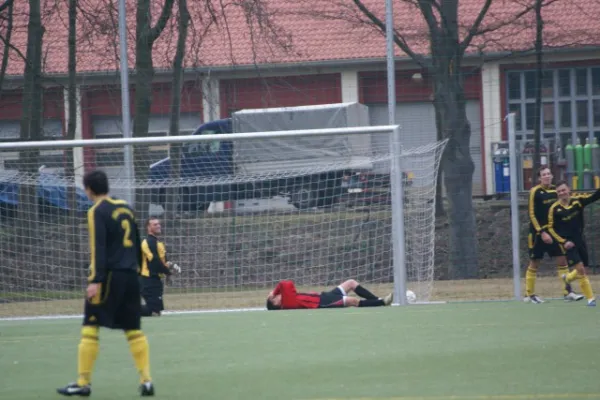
287,53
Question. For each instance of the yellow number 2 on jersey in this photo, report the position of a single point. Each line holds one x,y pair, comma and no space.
126,225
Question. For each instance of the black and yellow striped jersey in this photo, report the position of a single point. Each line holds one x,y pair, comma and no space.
114,238
541,199
565,222
154,258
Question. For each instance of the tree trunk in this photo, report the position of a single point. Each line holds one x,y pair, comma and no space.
537,133
31,126
458,168
175,149
74,217
146,35
141,123
439,189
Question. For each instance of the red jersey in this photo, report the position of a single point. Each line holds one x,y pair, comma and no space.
291,299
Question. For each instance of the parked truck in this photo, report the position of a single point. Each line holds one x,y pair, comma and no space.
310,172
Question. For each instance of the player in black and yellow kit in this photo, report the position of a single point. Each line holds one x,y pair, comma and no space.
113,292
155,268
539,241
565,224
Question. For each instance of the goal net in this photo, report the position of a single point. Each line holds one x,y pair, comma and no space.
238,213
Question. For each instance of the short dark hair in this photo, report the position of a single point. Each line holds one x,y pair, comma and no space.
96,181
150,219
541,168
562,182
271,306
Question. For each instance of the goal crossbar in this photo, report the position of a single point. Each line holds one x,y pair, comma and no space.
157,140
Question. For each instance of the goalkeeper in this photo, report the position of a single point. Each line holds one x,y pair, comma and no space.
155,268
565,224
286,297
539,241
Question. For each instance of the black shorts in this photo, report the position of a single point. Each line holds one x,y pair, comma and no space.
118,304
332,299
537,247
577,254
152,292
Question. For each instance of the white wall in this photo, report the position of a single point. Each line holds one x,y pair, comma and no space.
492,118
350,86
78,161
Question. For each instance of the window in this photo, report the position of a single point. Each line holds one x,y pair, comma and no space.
548,115
564,108
564,82
199,149
581,81
516,108
514,86
570,103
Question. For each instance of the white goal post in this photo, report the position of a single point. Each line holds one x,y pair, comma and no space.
240,212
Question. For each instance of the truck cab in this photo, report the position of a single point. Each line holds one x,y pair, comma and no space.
200,159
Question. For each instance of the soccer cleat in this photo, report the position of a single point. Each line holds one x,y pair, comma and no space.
387,300
573,297
535,299
592,303
73,389
146,389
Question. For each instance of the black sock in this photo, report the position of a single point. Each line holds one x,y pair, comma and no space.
364,293
371,303
146,311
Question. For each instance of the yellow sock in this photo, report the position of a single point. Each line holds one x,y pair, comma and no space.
586,286
88,351
571,276
530,276
140,350
563,270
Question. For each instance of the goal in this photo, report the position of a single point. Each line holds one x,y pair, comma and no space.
239,213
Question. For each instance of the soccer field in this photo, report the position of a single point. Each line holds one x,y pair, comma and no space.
503,350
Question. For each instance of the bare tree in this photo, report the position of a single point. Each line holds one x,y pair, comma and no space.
31,122
71,127
146,36
539,48
445,67
175,112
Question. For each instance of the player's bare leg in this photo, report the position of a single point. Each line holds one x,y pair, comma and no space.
530,277
351,285
579,274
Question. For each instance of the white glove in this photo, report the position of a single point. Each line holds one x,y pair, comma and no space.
176,268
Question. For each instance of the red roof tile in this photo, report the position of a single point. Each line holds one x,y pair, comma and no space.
300,31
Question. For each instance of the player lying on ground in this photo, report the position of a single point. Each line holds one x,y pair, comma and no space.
286,297
539,241
155,268
113,292
565,224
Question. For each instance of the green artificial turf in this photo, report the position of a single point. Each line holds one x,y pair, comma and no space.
499,351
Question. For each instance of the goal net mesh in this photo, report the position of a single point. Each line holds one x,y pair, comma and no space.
237,216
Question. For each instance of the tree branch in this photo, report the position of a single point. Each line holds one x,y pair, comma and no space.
426,7
475,27
419,59
7,3
7,47
157,29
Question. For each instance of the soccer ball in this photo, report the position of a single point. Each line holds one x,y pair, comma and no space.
411,297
